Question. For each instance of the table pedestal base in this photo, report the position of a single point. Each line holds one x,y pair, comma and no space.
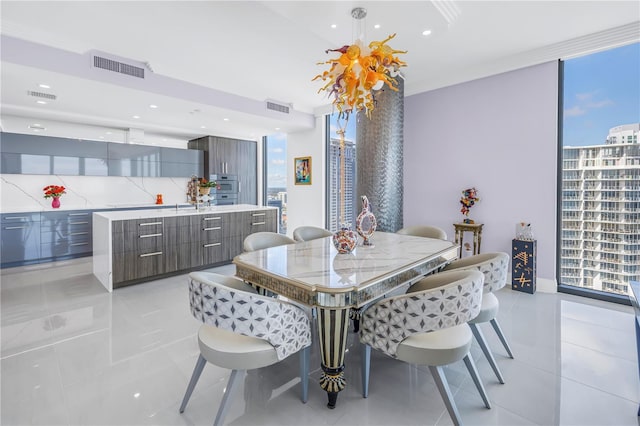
333,328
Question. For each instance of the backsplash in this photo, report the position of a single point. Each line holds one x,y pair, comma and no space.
24,192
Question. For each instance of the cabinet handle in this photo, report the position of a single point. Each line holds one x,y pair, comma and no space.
79,244
78,223
150,235
257,223
78,214
156,253
150,223
78,233
211,245
258,214
215,228
212,218
16,217
15,227
239,186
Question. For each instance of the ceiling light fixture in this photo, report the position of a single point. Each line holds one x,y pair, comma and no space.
360,69
44,86
426,32
41,102
225,119
334,26
152,106
376,26
203,127
136,116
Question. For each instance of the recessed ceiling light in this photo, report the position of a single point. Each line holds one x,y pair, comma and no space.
376,26
277,128
153,106
426,32
334,26
41,102
44,86
101,137
225,119
203,127
136,116
108,133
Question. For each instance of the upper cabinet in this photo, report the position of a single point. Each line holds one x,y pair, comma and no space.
232,157
44,155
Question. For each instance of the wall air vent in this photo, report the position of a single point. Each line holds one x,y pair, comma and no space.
115,66
279,107
42,95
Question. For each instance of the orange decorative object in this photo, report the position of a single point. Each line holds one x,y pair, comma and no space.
358,71
159,199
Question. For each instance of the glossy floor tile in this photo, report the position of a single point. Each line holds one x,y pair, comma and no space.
73,354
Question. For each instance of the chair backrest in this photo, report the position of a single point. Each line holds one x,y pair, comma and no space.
261,240
306,233
427,231
494,266
385,324
219,301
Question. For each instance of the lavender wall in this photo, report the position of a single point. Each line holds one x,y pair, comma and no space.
498,134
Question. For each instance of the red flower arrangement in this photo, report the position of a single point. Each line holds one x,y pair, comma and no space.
53,191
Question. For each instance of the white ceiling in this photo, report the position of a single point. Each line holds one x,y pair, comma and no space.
238,54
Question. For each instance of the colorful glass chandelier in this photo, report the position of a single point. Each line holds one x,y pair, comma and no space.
360,70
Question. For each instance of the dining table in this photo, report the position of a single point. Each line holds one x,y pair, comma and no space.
340,285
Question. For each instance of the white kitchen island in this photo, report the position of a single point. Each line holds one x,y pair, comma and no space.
133,246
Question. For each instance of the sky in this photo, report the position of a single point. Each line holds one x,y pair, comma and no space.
601,91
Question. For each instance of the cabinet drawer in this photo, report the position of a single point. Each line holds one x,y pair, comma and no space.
260,221
52,237
64,247
140,244
212,252
11,219
143,226
132,266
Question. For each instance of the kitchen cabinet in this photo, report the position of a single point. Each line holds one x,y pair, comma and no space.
65,234
20,238
231,156
166,242
137,249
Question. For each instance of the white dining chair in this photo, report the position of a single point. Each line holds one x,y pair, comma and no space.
494,267
306,233
427,231
427,326
243,330
262,240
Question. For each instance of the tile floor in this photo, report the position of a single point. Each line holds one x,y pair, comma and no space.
74,354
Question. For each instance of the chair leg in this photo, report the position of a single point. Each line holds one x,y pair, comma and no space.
496,327
232,384
487,352
200,363
445,393
365,367
471,366
304,372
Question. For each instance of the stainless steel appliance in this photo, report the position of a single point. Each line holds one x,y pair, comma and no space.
226,192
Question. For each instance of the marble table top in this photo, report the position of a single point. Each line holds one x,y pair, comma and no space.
314,273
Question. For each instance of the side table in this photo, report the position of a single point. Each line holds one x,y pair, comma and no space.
523,266
476,228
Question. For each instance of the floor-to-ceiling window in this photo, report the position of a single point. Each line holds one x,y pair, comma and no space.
275,176
599,235
341,187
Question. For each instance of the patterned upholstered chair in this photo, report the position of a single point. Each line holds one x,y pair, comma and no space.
427,326
306,233
424,231
261,240
243,331
494,266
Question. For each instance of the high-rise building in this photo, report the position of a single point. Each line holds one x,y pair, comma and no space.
336,210
600,235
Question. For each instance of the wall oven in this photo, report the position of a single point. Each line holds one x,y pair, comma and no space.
227,184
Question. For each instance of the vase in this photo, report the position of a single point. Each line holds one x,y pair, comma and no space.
345,240
366,222
55,203
204,190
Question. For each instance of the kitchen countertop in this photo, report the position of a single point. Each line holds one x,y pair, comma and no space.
172,212
68,207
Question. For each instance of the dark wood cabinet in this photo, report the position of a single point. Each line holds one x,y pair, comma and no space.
232,157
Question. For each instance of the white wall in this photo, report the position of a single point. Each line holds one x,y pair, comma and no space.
306,203
498,134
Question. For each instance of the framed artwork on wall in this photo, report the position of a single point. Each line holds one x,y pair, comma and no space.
302,171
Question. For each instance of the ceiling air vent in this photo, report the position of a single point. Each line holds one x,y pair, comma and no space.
115,66
273,106
42,95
